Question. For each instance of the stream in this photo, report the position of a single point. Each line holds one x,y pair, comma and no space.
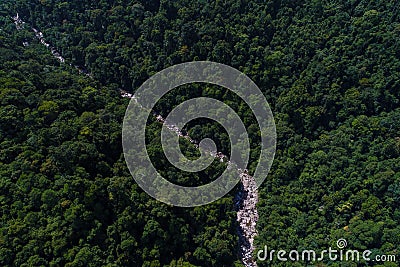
246,200
20,24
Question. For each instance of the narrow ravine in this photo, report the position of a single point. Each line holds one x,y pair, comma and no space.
20,24
245,200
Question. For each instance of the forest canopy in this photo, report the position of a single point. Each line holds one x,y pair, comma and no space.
329,69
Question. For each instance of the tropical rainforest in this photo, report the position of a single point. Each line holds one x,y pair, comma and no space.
330,70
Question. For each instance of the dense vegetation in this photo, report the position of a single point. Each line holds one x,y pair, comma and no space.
329,69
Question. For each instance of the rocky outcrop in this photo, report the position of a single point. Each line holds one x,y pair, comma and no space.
19,23
247,217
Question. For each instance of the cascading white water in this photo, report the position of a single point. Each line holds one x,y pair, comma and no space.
20,24
247,217
246,199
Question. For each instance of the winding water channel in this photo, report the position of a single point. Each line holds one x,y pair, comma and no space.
245,200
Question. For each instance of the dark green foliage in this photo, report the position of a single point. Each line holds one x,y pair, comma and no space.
329,69
66,195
